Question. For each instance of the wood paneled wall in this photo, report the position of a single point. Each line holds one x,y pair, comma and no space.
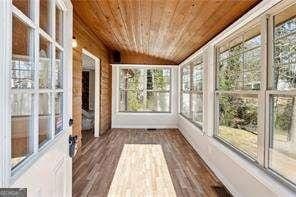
87,39
138,58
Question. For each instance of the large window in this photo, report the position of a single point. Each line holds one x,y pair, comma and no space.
36,79
145,90
282,96
238,85
255,99
192,91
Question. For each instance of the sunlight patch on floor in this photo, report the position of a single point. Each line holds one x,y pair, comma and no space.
142,171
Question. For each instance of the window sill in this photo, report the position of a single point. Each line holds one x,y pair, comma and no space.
253,165
192,122
265,176
237,151
143,112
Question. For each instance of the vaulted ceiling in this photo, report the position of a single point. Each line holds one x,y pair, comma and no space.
165,29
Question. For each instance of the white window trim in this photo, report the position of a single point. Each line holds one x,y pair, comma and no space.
146,67
4,89
262,11
264,94
260,21
7,9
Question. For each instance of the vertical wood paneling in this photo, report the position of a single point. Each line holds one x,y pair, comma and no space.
86,39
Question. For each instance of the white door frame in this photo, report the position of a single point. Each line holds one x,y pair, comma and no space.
5,53
97,91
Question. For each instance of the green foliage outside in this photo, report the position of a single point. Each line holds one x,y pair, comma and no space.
134,81
241,112
236,111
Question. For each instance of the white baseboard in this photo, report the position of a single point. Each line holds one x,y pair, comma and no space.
144,126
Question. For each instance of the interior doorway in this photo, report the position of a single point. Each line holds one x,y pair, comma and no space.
90,124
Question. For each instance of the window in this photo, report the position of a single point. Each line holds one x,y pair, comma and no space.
282,96
36,80
192,91
145,90
238,85
185,93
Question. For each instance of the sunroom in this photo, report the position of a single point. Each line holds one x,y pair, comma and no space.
148,98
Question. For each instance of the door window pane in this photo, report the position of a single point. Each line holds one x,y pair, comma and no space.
44,17
44,118
59,69
21,127
238,122
24,6
44,64
22,69
59,25
58,112
282,149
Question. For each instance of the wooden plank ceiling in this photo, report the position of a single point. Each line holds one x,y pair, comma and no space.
166,29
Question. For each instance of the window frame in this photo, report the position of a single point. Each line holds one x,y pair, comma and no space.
8,11
202,57
270,92
264,94
145,89
242,92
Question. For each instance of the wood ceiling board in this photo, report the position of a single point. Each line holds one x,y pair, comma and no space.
166,29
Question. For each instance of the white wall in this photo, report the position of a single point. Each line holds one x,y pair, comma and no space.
144,120
241,177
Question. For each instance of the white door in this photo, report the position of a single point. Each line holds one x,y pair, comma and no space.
36,96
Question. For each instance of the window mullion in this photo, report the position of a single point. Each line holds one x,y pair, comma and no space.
181,91
191,91
145,88
53,63
35,52
262,95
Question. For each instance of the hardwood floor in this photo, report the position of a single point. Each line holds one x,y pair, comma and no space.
95,165
87,135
